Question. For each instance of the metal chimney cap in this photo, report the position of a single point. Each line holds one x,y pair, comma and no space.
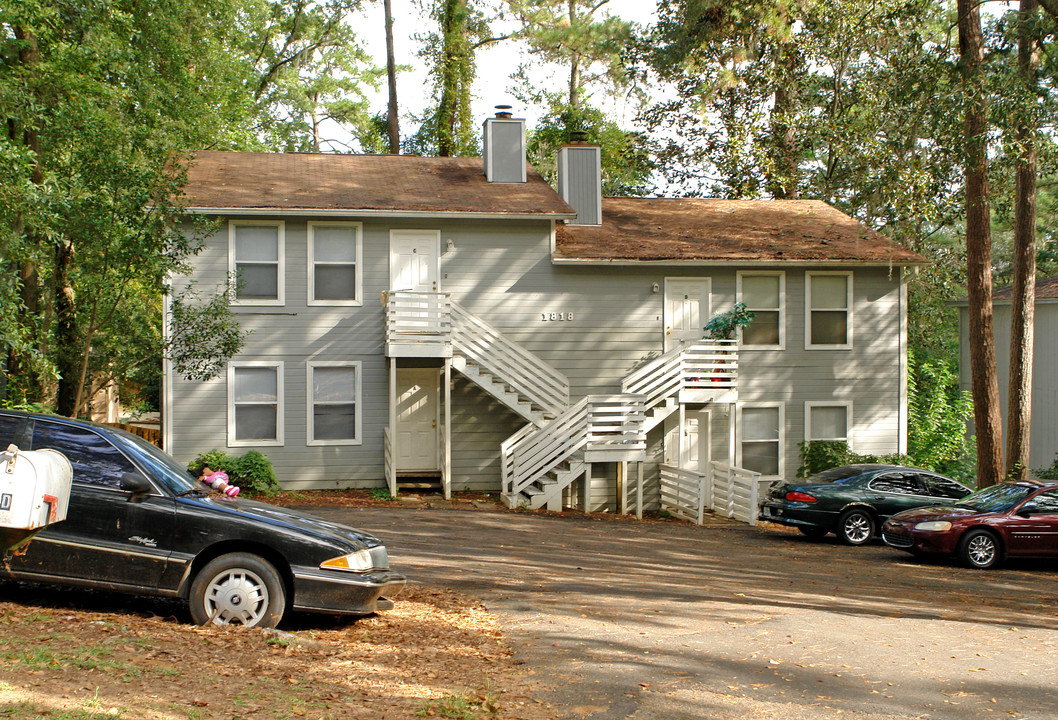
503,111
578,136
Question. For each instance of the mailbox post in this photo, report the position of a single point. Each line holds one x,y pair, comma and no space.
34,493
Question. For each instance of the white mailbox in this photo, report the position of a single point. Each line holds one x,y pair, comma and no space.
34,488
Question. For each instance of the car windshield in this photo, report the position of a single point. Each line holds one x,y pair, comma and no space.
161,465
996,498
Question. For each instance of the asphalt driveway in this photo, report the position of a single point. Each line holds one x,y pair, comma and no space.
622,619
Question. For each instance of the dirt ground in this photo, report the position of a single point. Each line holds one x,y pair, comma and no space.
82,654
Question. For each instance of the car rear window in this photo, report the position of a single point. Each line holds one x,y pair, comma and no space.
837,475
13,432
95,461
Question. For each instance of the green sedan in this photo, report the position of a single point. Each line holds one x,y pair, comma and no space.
853,501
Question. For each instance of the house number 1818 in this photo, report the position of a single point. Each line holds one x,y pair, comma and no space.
560,316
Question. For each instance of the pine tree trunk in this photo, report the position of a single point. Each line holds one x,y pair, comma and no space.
783,180
1023,305
393,122
984,385
22,375
574,65
452,22
67,356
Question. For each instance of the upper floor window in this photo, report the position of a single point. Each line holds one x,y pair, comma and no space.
334,398
255,255
827,421
828,310
764,295
255,403
334,263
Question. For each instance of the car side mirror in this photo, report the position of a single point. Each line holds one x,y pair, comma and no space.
1027,509
135,484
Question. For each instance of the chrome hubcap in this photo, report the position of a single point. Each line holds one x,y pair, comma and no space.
982,550
236,596
857,528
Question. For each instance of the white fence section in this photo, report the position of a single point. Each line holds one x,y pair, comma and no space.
725,490
735,492
501,357
684,493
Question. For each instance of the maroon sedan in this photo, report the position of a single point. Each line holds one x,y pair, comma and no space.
1014,519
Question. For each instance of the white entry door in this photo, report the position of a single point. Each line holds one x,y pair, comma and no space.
413,260
691,443
417,419
687,309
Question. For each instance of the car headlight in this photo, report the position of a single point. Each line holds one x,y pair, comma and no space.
359,561
934,526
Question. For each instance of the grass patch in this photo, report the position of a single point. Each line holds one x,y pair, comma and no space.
462,706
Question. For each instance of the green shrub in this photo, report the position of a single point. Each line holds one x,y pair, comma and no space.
252,473
820,455
1048,473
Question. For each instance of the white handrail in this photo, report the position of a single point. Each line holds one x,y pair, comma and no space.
540,451
703,365
418,317
485,346
387,455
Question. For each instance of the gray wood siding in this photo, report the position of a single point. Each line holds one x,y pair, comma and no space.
1043,440
502,272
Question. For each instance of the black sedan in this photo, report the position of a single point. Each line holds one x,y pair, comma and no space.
139,523
852,501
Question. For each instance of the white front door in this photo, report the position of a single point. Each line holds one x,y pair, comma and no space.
417,419
691,442
695,453
687,309
413,260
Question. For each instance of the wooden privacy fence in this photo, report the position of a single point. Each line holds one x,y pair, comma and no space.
724,490
151,435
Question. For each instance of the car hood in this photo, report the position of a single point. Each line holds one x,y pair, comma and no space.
942,512
281,517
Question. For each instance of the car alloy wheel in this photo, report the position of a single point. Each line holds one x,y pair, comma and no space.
856,527
238,589
980,549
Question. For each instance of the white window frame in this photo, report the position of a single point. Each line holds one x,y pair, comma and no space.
280,298
358,234
739,407
848,310
311,404
782,306
232,440
811,405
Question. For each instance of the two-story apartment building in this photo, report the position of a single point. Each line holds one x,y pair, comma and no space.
458,318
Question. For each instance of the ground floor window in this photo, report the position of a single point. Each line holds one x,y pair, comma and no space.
255,404
334,394
828,421
760,449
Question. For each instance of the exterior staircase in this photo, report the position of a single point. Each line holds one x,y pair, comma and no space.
560,442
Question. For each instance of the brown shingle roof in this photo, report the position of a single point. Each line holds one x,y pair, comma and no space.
383,183
712,230
1046,288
